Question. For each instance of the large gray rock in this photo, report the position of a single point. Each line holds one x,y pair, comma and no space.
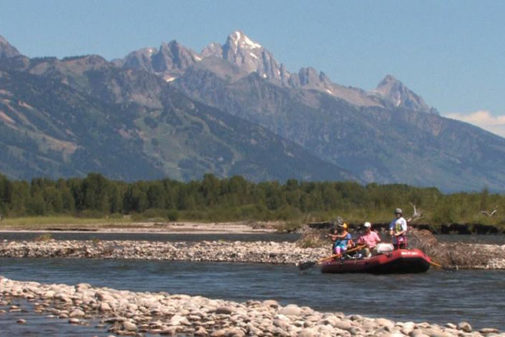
465,326
129,326
291,310
77,313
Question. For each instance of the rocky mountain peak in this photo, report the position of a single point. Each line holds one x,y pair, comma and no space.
6,49
397,94
307,75
310,77
169,61
244,56
389,79
213,49
174,55
248,55
238,39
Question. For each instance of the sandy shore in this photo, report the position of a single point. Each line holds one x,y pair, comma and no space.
155,227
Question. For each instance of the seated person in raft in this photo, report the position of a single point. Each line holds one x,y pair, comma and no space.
370,239
341,240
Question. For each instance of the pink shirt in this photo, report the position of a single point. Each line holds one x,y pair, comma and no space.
371,239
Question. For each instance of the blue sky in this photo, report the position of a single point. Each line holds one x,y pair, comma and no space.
452,53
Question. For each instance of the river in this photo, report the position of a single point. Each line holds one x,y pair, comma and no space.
291,237
436,296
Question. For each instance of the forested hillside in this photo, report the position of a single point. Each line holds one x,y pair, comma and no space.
213,199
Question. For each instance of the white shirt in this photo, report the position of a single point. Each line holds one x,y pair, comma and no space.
401,227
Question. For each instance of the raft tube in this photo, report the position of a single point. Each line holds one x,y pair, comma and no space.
398,261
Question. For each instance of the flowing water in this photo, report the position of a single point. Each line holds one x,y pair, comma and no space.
291,237
39,325
435,296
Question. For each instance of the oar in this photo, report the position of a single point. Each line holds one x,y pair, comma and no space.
309,264
438,265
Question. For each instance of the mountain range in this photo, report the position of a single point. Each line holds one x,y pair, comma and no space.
231,109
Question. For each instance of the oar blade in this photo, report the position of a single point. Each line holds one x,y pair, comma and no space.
306,265
435,264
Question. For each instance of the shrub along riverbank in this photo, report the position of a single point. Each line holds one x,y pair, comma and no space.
233,199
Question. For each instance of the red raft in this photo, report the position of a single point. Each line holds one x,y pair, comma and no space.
397,261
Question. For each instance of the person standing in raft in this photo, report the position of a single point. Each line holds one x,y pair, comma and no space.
370,239
398,230
341,240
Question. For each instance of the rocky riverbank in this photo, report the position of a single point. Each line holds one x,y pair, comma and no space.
208,251
135,313
457,256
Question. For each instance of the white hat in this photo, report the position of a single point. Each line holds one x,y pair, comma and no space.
367,224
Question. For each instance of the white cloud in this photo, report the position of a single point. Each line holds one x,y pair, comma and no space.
483,119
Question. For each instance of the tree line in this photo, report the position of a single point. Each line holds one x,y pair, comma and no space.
235,198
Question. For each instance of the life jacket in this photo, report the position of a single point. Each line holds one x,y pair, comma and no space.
343,242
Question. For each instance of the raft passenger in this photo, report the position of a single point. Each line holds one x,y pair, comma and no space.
398,230
370,239
341,240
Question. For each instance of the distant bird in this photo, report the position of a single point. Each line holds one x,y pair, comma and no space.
488,213
415,215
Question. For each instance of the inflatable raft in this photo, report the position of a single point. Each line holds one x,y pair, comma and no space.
396,261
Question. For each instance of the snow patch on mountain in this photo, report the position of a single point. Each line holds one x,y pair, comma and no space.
244,41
